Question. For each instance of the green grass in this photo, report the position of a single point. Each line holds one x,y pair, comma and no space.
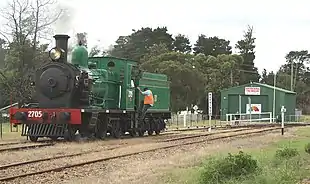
273,170
305,118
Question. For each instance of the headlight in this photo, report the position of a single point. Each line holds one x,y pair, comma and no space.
55,53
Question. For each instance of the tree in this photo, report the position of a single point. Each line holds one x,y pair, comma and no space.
193,76
297,60
26,19
186,81
217,72
136,45
294,74
264,77
212,46
246,48
182,44
82,37
94,51
2,53
26,22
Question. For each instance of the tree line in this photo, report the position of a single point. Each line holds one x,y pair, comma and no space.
194,70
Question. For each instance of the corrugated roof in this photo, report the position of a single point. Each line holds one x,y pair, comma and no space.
262,85
277,88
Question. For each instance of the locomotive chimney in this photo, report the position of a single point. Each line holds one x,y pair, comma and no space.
62,42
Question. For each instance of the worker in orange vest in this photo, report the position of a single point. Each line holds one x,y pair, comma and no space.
147,102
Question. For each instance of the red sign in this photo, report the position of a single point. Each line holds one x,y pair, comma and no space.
252,90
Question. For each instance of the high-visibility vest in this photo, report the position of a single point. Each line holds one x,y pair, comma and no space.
148,99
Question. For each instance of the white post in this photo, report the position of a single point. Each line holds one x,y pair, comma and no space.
283,110
210,109
239,106
249,98
274,98
270,117
184,120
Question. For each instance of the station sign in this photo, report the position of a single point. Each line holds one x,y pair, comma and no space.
252,90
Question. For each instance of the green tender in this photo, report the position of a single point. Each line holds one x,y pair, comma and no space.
118,90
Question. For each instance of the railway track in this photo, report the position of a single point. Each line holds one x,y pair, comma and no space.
13,143
236,126
85,162
26,147
106,149
176,138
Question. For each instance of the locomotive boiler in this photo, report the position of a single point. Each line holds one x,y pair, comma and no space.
92,96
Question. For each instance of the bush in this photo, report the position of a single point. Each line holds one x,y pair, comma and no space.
230,167
286,153
307,148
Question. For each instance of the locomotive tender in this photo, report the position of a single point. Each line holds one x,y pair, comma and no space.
94,96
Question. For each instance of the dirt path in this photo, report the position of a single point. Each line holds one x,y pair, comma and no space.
151,167
77,147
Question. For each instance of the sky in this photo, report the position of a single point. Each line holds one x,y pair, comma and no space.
279,26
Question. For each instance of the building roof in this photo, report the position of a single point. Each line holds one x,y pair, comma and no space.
263,85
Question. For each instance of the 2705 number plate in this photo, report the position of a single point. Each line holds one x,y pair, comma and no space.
34,114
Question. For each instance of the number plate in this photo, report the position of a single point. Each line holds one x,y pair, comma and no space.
34,114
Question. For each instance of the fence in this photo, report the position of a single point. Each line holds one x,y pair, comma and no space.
193,120
201,120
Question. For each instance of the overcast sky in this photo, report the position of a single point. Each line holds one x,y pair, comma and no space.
279,26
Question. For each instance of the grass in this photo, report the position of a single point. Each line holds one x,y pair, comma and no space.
195,123
283,162
7,134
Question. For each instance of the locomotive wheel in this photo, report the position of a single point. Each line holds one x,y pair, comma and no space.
116,134
101,130
157,126
54,138
157,132
33,138
70,133
116,130
140,132
150,132
151,126
132,133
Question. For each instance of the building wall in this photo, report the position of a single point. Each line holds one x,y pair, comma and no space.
230,100
290,105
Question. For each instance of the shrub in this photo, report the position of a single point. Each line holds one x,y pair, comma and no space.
286,153
230,167
307,148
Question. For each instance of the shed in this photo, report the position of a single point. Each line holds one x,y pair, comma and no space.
257,99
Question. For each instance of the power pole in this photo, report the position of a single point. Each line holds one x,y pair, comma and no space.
292,72
274,97
231,78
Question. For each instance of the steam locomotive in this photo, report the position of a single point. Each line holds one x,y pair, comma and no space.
92,96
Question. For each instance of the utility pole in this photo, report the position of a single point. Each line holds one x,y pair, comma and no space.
274,97
292,72
231,78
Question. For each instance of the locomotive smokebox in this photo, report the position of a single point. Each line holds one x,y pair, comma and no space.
62,42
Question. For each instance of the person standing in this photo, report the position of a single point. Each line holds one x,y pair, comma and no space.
147,102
